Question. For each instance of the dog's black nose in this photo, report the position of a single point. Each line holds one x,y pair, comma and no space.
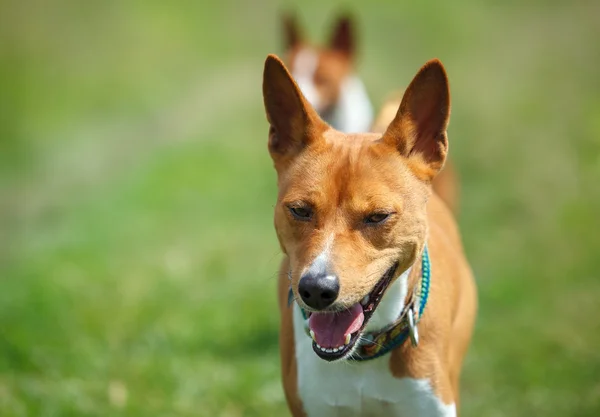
318,290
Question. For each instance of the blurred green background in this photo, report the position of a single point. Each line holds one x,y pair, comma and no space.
137,253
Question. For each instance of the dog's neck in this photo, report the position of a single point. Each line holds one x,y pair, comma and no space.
391,305
353,112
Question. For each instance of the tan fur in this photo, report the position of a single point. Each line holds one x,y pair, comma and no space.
445,184
286,345
448,321
344,178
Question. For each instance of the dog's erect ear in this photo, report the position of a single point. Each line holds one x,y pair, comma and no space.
419,129
291,31
342,39
294,123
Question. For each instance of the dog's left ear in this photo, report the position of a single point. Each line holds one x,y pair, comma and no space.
418,131
342,39
294,122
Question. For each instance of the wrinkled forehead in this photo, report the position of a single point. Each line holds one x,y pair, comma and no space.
355,169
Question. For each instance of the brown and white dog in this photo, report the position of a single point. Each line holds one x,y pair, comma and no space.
327,78
355,218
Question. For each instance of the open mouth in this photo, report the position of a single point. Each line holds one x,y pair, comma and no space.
336,333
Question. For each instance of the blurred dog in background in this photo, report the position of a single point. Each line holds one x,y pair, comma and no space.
327,75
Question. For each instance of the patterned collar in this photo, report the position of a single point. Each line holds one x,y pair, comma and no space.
380,342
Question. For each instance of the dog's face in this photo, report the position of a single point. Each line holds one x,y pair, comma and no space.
351,210
320,71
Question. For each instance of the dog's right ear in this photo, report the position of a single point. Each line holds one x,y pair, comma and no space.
342,38
294,123
418,131
291,31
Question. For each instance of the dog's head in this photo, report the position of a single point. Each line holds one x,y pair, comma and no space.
320,71
351,209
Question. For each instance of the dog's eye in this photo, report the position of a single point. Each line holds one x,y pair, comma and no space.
301,213
376,218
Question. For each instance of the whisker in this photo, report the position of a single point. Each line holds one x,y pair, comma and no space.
370,341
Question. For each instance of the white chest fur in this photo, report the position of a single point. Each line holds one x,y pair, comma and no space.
353,389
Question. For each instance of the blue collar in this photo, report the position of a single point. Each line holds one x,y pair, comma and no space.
378,343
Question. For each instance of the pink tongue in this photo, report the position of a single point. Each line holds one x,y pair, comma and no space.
331,328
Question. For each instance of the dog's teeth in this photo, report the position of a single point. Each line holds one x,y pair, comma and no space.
329,351
335,350
365,300
312,335
318,345
323,349
347,341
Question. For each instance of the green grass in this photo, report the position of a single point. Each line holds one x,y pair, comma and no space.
137,251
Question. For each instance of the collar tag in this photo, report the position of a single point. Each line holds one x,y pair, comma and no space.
413,331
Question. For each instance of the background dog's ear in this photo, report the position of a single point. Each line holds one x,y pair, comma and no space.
342,39
419,129
294,123
291,31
